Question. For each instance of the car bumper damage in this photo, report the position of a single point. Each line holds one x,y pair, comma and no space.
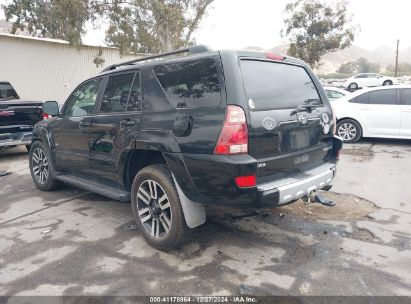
290,189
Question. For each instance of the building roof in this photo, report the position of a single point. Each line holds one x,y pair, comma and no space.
49,40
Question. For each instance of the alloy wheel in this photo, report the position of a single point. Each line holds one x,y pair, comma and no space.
347,131
40,165
153,207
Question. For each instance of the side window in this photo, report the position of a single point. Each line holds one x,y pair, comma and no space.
7,91
384,97
329,94
81,102
362,98
135,100
116,93
334,94
406,97
191,84
361,76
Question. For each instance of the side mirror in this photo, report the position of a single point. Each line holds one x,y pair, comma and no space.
51,108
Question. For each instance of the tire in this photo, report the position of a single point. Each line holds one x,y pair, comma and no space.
157,209
387,83
353,86
349,130
41,167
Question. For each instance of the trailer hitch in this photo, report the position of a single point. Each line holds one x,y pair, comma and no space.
315,197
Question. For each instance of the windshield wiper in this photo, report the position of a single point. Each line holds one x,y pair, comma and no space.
308,106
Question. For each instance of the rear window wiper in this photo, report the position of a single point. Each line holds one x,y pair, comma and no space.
308,106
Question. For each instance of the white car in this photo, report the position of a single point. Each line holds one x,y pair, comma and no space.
375,112
368,80
335,93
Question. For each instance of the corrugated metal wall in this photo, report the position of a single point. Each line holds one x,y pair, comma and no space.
44,70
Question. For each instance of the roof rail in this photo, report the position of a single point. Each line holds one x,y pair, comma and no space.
195,49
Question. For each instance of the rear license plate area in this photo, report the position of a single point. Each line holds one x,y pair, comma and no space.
298,139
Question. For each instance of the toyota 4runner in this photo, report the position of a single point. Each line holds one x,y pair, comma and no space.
175,133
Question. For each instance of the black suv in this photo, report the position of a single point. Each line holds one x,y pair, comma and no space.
229,128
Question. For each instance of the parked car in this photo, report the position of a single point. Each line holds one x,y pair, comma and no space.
335,93
229,128
378,112
368,80
17,117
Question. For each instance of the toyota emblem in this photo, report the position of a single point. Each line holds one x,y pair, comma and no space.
302,118
269,123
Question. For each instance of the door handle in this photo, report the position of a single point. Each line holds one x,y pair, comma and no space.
84,124
126,123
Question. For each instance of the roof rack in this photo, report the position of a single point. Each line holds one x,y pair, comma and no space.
191,50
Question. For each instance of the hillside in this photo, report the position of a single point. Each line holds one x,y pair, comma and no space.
383,55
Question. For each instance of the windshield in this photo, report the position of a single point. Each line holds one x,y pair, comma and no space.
7,91
272,85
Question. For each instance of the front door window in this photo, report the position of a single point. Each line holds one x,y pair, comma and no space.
83,99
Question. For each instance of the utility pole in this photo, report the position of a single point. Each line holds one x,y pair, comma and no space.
396,59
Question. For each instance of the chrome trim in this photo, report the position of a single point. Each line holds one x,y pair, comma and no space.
296,187
23,138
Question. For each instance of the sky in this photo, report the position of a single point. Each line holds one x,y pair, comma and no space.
240,23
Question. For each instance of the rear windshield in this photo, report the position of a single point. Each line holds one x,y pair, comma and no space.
191,84
272,85
7,91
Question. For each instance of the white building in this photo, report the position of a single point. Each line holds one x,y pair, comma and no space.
49,69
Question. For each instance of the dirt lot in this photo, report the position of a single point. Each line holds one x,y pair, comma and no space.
71,242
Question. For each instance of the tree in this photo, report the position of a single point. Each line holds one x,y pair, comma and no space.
348,68
402,68
134,25
361,65
59,19
152,26
315,28
364,66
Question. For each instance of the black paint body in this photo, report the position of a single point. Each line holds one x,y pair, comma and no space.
99,145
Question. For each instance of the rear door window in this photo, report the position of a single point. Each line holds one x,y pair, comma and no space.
191,84
406,97
135,99
383,97
272,85
116,93
363,98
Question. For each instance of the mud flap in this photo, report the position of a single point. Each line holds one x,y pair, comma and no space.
194,213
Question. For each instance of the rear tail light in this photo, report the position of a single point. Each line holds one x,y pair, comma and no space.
233,137
246,181
46,116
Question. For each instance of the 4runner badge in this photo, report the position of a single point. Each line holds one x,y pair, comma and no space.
269,123
302,118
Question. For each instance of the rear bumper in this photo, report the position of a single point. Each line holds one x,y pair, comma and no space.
290,189
213,181
15,139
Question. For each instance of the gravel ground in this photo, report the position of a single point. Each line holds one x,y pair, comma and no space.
72,242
